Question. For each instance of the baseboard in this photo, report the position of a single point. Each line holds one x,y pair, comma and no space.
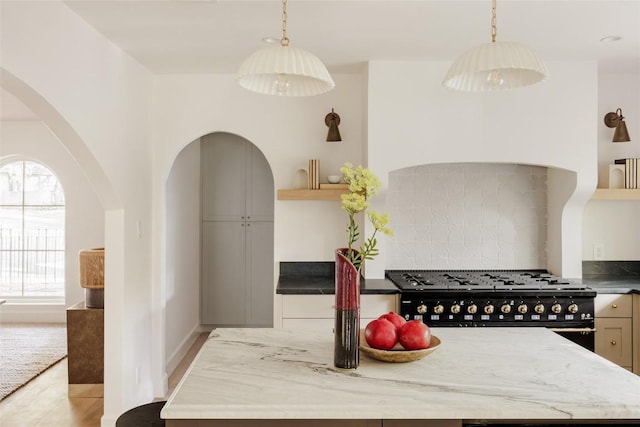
86,390
183,348
33,313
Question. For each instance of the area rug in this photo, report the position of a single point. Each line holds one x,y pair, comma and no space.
27,350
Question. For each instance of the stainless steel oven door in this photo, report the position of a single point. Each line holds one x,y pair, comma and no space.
581,336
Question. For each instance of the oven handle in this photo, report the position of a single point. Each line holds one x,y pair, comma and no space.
581,330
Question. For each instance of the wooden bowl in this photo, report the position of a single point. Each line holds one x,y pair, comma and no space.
398,356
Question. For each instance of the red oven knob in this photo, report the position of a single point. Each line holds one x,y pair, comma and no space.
422,309
438,309
556,308
539,308
488,309
455,308
506,308
522,308
472,309
573,308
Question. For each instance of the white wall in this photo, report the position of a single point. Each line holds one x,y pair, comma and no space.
614,225
84,215
289,132
183,254
413,120
96,100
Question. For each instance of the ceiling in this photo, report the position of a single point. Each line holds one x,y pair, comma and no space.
214,36
205,36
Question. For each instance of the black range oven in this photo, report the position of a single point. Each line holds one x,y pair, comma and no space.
469,298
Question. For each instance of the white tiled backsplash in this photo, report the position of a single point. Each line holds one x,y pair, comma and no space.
468,216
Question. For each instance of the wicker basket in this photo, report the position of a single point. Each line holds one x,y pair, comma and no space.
92,268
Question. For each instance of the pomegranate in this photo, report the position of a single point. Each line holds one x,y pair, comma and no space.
414,335
381,334
394,318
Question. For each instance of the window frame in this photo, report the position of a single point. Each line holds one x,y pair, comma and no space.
23,248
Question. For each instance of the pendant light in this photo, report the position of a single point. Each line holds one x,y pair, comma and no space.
496,65
284,70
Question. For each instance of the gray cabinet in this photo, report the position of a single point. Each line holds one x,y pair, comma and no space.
237,233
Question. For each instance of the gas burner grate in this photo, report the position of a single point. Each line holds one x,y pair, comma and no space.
482,280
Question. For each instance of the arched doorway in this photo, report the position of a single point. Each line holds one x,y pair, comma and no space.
114,227
237,233
185,237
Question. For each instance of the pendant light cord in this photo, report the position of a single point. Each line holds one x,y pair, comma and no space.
494,22
285,40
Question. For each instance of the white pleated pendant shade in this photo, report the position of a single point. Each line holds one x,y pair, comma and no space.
284,71
496,66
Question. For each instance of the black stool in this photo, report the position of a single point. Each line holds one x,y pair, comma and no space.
142,416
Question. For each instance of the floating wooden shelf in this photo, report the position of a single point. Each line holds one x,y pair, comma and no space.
331,195
616,194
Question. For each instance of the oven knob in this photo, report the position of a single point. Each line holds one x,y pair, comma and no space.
438,309
573,308
472,309
422,309
506,308
522,308
488,309
455,308
556,308
539,308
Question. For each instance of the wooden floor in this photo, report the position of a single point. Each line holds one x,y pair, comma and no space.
44,401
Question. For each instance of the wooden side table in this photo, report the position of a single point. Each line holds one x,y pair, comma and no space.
85,348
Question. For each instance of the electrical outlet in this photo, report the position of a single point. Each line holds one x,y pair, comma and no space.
598,251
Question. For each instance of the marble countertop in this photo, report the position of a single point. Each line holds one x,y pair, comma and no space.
476,373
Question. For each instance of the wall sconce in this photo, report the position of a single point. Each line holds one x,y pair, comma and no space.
333,120
616,120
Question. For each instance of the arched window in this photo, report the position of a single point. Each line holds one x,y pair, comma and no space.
31,232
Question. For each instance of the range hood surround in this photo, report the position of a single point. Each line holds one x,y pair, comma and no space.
479,216
413,122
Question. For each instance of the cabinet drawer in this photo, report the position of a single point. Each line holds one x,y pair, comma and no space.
613,340
317,324
323,306
372,306
308,306
613,305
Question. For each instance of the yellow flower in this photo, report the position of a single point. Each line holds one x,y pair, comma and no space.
362,185
380,222
354,203
361,180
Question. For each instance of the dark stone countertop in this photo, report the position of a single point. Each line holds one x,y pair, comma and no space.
318,278
613,284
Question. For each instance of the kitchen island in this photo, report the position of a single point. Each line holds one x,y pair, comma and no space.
283,377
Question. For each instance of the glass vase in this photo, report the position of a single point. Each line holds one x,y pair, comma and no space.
347,321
